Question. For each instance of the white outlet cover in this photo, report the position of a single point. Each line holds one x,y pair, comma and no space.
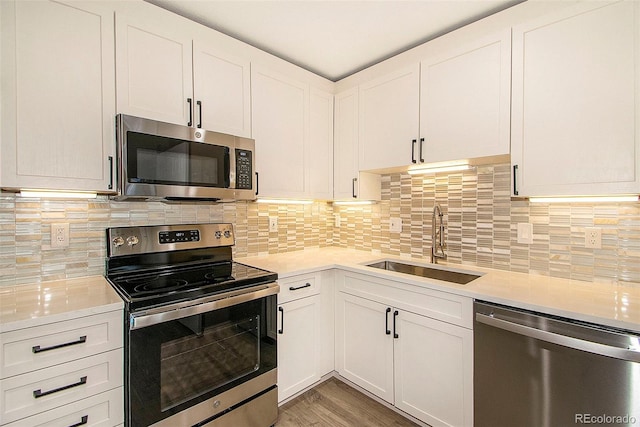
593,237
525,233
60,235
395,225
273,224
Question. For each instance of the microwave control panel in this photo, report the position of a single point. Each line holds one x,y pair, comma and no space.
244,169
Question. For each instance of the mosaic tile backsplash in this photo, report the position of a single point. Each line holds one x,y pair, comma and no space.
480,218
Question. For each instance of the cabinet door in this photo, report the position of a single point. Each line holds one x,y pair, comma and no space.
575,101
345,162
320,145
222,90
154,72
465,101
389,119
298,346
364,351
58,97
433,370
279,128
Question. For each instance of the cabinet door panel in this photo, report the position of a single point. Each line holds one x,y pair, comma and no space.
364,352
154,72
465,101
222,84
58,95
433,370
575,101
279,124
389,119
298,346
345,162
320,145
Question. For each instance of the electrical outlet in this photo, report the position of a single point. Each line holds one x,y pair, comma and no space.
593,237
395,225
273,224
525,233
337,220
60,235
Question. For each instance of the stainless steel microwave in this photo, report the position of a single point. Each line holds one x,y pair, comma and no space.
168,162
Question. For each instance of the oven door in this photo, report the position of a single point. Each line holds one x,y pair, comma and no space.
175,365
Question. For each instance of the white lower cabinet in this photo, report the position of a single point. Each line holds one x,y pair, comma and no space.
305,331
421,365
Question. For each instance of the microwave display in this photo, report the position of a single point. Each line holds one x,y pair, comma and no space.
153,159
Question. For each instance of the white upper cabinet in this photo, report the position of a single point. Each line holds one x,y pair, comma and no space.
154,67
320,152
222,88
58,95
388,119
465,101
576,101
349,183
166,73
280,122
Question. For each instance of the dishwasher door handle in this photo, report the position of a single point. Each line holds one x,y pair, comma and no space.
563,340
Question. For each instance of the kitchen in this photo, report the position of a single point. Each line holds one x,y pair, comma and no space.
481,218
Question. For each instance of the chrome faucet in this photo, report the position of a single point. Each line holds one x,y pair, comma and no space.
437,236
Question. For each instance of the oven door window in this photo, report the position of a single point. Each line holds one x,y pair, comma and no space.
179,363
153,159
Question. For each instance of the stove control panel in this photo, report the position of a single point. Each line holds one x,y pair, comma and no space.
160,238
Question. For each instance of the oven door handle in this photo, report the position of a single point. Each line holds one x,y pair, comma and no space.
227,299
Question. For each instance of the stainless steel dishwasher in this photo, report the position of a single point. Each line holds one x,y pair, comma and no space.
538,370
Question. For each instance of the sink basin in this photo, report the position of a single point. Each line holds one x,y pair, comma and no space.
429,272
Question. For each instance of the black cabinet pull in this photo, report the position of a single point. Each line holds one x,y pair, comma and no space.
515,187
395,316
110,186
38,349
293,288
420,149
386,322
85,420
199,103
281,330
353,187
39,393
257,184
189,101
413,151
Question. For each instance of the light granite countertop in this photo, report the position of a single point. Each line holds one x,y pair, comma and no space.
25,306
606,304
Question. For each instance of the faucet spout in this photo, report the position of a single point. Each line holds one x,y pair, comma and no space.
437,235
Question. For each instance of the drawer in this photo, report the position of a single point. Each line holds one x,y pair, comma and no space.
29,349
35,392
296,287
102,410
448,307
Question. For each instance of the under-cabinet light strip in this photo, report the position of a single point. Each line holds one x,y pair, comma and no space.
352,202
452,168
59,194
584,199
285,201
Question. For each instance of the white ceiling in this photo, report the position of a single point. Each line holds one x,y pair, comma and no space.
334,38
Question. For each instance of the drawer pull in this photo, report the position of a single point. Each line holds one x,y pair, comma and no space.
39,393
85,420
38,349
294,288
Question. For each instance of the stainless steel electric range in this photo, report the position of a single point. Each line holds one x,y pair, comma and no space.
200,329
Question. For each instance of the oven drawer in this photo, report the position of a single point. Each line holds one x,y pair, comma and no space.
296,287
39,347
102,410
261,411
34,392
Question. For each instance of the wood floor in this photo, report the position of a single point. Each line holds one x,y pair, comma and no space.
335,404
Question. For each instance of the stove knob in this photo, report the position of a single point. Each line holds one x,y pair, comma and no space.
132,240
117,241
218,235
227,234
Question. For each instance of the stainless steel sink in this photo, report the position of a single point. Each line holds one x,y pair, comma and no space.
431,273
